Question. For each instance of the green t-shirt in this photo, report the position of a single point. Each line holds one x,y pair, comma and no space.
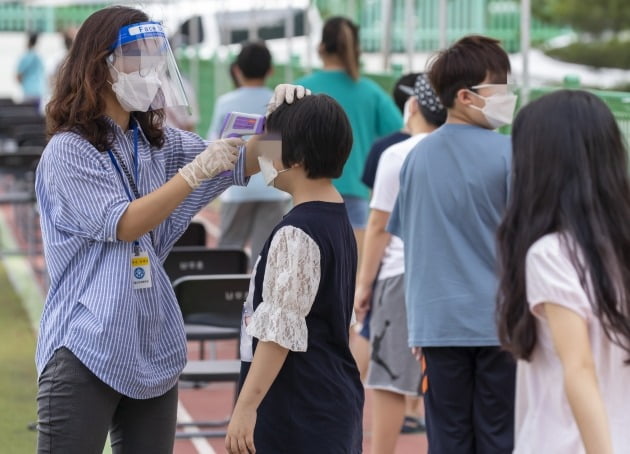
372,114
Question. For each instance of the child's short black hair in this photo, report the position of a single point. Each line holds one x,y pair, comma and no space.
466,64
315,133
254,60
401,97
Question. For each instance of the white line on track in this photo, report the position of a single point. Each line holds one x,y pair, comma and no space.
201,444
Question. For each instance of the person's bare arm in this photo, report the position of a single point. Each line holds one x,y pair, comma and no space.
570,338
375,241
266,365
144,214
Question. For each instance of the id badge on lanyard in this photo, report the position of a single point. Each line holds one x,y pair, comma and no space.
140,269
139,262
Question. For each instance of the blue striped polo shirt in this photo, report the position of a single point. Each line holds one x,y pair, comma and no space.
132,340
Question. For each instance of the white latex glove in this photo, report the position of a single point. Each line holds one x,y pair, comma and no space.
220,156
286,93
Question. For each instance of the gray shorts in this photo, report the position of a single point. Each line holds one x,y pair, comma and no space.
392,366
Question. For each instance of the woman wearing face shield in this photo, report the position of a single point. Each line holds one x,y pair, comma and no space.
115,190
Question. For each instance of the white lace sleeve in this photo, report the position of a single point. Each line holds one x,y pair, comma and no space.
292,274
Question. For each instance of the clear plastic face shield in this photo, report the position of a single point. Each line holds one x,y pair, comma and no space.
143,70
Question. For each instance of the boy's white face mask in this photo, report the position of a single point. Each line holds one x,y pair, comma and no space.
268,170
499,107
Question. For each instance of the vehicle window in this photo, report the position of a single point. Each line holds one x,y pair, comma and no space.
235,27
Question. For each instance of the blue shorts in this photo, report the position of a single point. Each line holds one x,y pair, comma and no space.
357,209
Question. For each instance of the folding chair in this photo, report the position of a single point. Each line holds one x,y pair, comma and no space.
195,235
199,260
29,135
196,260
18,190
17,115
211,300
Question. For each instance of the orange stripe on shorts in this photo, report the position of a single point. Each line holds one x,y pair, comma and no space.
424,385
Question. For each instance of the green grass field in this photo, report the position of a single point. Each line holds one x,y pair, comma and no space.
18,378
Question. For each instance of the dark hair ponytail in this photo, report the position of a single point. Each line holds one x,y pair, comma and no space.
341,37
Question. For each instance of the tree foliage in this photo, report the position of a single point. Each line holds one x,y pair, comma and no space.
590,16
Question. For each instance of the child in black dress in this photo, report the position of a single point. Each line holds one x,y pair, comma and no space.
301,391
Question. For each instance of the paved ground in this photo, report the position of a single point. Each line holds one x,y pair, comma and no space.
215,401
209,402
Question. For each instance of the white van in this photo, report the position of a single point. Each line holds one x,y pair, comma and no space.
289,27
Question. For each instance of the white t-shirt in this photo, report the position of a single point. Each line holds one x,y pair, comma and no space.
544,421
386,186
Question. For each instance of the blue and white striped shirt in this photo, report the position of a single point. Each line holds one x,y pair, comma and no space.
133,340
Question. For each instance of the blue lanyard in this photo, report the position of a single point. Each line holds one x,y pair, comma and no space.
132,183
135,165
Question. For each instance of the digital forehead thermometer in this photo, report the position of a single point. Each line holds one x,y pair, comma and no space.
237,124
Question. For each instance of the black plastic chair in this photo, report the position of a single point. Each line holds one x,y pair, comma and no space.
19,115
195,260
195,235
199,260
17,171
214,301
29,135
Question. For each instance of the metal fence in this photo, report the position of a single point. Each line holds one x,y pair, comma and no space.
27,17
214,80
497,18
618,102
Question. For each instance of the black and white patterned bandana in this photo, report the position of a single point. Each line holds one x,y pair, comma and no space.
425,94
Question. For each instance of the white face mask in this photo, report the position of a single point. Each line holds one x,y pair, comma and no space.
499,108
406,113
136,92
268,171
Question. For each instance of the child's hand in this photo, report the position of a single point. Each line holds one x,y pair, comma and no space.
362,299
240,432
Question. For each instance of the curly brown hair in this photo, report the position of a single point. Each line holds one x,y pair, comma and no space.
78,103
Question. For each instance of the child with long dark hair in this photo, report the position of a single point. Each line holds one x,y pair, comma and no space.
564,298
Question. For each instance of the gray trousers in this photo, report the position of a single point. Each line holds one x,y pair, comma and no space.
76,410
250,222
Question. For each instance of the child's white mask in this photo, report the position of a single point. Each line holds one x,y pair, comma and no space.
498,109
268,171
